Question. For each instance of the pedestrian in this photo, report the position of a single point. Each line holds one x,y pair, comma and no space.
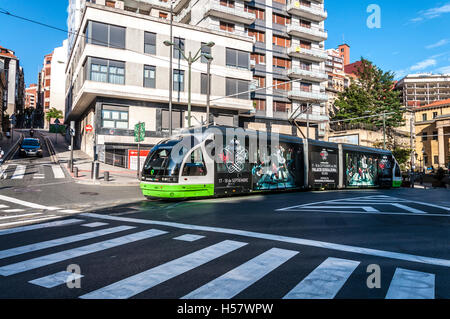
2,153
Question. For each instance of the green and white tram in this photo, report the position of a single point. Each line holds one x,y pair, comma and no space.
217,163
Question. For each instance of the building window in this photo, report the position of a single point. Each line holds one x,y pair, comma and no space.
225,26
424,117
115,119
425,160
236,58
205,50
163,15
150,43
106,71
257,35
258,58
235,86
178,80
436,160
280,41
281,85
435,114
149,76
176,119
227,3
305,87
260,105
105,35
260,80
305,45
179,43
204,84
424,137
281,63
279,19
281,107
435,136
259,13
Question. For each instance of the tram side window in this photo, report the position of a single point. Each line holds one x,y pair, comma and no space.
195,165
397,171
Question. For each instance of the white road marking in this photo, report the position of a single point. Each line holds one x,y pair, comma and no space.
26,204
325,281
40,226
311,210
19,173
285,239
76,252
3,206
143,281
60,241
409,284
55,280
29,221
365,208
69,211
3,170
242,277
58,172
13,210
93,225
189,237
17,216
38,176
410,209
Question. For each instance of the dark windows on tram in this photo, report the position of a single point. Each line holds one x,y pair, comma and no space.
195,165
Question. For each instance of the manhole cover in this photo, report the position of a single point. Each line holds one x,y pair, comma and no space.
89,193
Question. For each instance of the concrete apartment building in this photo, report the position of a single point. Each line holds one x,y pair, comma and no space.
46,80
118,70
31,96
432,128
13,93
424,89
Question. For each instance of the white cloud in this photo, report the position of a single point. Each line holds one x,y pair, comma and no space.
432,13
443,70
437,44
423,65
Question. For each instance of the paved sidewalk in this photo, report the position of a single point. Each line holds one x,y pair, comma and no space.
7,143
118,176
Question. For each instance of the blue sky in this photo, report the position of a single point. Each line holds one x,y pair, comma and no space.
414,34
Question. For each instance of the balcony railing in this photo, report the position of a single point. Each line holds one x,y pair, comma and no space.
317,13
316,34
308,95
317,55
234,14
314,74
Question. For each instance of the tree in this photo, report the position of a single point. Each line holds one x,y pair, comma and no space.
53,114
372,94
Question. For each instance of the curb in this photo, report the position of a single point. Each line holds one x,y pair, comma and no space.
12,150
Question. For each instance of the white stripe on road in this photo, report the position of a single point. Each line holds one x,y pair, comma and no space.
76,252
136,284
38,176
13,210
242,277
325,281
3,170
30,221
93,225
19,173
60,241
409,284
189,237
39,226
285,239
365,208
18,216
58,172
69,211
410,209
24,203
3,206
55,280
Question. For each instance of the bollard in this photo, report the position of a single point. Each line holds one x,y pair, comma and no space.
97,170
106,177
92,170
75,172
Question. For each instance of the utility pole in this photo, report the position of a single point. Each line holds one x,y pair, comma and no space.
384,130
208,90
171,70
412,150
307,121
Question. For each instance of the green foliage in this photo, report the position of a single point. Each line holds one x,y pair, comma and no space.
372,94
53,114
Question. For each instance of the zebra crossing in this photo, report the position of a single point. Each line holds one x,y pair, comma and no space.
323,281
376,204
35,171
15,212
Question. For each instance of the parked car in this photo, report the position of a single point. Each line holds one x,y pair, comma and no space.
31,147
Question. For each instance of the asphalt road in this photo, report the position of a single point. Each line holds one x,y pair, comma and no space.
288,245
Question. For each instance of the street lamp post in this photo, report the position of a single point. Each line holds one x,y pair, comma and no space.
171,70
190,60
208,87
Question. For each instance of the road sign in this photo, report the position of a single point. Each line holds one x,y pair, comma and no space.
57,122
139,132
89,128
72,132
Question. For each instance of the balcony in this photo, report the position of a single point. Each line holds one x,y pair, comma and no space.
309,54
310,74
312,117
215,9
313,34
313,12
301,95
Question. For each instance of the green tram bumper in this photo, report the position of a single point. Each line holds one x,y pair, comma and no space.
159,190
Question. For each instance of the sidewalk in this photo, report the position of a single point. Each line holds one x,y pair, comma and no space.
118,176
7,143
